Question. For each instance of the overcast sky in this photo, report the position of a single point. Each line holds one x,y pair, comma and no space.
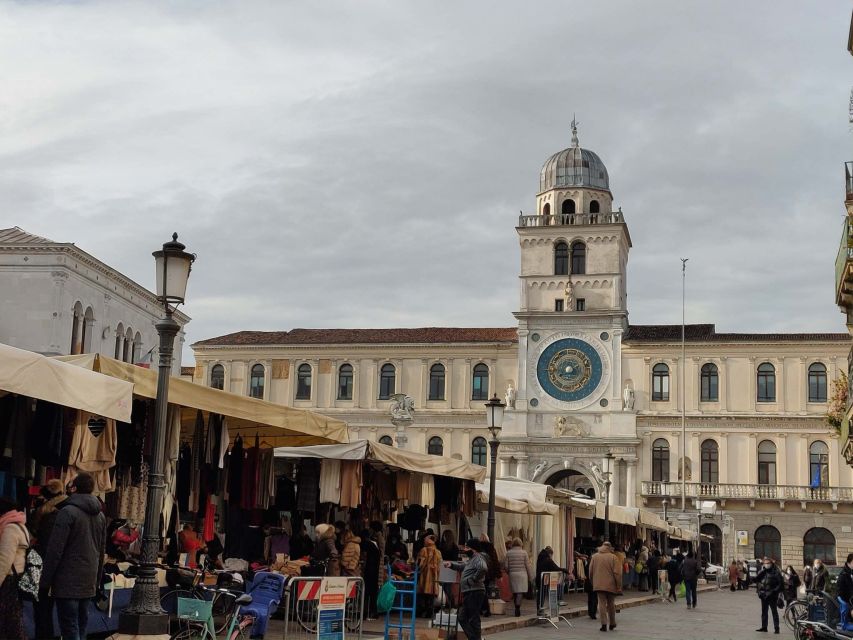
362,164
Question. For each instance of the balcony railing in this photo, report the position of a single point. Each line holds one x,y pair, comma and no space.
720,491
613,217
848,179
843,276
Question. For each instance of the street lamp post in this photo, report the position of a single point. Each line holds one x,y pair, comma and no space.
494,418
608,480
144,616
666,519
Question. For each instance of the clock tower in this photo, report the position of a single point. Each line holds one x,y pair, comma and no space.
569,410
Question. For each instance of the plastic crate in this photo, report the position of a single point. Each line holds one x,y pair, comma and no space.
194,609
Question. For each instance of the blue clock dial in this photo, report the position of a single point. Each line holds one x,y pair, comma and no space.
569,369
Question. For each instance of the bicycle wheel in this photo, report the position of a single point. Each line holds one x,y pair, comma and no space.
169,601
795,611
193,631
352,619
243,629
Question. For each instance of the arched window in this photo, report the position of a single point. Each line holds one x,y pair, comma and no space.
76,327
817,382
546,210
436,382
217,376
819,543
578,257
480,383
710,462
660,382
256,381
594,207
766,379
660,460
137,347
710,383
127,352
568,206
478,451
345,382
88,327
119,339
386,440
818,464
435,446
387,381
303,382
561,259
767,462
768,542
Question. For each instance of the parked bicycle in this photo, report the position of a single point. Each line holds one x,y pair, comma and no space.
188,583
195,619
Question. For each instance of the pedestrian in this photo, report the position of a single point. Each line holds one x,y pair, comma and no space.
844,592
733,581
429,567
819,576
641,566
75,557
378,537
372,558
448,547
673,576
473,587
792,583
545,563
493,574
741,575
808,576
350,554
395,547
41,526
517,565
591,596
690,571
325,550
605,570
653,567
191,544
769,585
300,544
14,541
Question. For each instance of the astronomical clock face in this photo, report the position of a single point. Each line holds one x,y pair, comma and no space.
570,370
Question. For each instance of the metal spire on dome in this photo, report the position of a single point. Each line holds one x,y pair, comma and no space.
575,123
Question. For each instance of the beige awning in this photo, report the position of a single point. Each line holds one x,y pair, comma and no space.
514,496
652,520
678,533
622,515
37,376
390,457
275,424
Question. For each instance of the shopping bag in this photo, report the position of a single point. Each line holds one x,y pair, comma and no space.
385,599
681,590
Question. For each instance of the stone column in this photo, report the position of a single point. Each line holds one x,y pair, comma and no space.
723,384
780,385
522,470
467,387
631,483
802,466
674,456
724,458
781,458
503,466
752,459
803,395
614,481
521,383
616,397
421,399
835,459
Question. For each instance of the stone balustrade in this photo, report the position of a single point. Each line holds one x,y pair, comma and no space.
614,217
721,491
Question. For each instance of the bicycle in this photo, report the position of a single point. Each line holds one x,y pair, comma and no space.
195,619
188,583
796,610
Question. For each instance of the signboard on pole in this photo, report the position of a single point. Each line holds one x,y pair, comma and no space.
330,609
550,582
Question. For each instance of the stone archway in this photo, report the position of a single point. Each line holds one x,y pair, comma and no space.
573,480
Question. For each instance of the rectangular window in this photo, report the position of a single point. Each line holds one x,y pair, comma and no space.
580,304
558,304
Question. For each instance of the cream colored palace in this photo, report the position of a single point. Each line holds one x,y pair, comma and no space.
582,382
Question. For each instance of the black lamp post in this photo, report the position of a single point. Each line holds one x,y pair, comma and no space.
608,480
666,519
494,418
144,616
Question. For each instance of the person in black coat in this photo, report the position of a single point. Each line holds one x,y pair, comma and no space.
372,557
75,556
769,584
673,575
654,565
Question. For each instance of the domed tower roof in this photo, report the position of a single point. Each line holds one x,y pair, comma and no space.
574,167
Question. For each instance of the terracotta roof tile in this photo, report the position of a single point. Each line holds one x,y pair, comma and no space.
707,333
424,335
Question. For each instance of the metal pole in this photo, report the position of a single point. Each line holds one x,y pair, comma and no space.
607,508
144,616
683,366
490,523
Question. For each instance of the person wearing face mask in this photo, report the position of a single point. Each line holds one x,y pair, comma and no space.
819,576
792,583
769,583
473,587
844,593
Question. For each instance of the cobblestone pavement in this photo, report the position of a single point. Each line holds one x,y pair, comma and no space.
720,615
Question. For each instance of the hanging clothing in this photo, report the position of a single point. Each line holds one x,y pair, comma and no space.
250,477
209,520
223,442
184,473
235,472
350,483
330,481
308,487
132,497
93,449
15,447
285,494
197,460
404,480
46,434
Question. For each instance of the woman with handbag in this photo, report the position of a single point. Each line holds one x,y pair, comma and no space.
517,565
14,542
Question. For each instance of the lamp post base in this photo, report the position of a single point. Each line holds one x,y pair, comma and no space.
147,625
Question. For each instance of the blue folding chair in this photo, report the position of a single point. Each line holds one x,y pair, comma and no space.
266,590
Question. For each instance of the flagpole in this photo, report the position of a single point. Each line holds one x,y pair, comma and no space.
681,386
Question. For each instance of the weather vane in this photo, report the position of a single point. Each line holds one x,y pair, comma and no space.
575,124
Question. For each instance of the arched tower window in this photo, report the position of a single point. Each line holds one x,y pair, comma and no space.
435,446
561,259
660,460
436,382
387,381
546,209
386,440
767,462
817,382
766,382
710,473
303,382
217,377
568,206
660,383
345,378
480,383
478,451
256,381
594,207
710,383
578,258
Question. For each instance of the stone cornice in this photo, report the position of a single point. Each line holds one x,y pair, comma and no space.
472,350
735,422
